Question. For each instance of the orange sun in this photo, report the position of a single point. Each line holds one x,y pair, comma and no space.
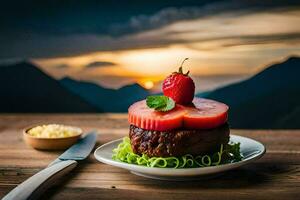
148,84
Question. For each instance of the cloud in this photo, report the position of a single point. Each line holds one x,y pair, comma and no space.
292,38
100,64
209,22
61,66
164,17
171,15
108,17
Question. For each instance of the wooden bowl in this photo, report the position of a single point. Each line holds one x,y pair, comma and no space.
49,143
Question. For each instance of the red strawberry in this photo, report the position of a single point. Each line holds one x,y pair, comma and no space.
179,86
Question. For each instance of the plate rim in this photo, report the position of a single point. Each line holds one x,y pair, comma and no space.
181,171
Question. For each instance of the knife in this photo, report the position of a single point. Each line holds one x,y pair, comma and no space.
34,186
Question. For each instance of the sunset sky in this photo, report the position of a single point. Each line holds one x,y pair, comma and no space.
115,43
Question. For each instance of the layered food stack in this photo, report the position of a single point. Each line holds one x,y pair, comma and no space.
176,130
177,124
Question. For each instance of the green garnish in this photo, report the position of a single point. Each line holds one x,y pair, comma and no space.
160,103
227,154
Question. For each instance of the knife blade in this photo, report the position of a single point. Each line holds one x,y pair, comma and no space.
34,186
78,151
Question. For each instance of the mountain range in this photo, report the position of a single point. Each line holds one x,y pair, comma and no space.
108,100
25,88
269,99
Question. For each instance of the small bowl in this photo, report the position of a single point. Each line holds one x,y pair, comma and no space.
49,143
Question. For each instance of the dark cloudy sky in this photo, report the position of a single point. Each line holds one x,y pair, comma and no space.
109,40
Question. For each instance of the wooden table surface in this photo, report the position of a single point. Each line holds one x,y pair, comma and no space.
275,176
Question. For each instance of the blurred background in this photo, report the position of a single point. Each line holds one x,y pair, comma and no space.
101,56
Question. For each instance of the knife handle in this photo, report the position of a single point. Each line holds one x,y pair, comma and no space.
34,186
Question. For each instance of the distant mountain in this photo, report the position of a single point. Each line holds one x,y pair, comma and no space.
270,99
25,88
108,100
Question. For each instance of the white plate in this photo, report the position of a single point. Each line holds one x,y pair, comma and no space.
250,149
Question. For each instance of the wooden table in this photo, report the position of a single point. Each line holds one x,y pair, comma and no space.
275,176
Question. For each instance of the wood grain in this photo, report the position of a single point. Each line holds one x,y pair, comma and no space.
275,176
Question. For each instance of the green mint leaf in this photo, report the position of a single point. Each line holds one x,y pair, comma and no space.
160,103
169,106
156,101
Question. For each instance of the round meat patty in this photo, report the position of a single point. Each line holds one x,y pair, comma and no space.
177,142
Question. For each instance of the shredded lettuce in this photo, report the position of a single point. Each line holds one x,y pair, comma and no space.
227,154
